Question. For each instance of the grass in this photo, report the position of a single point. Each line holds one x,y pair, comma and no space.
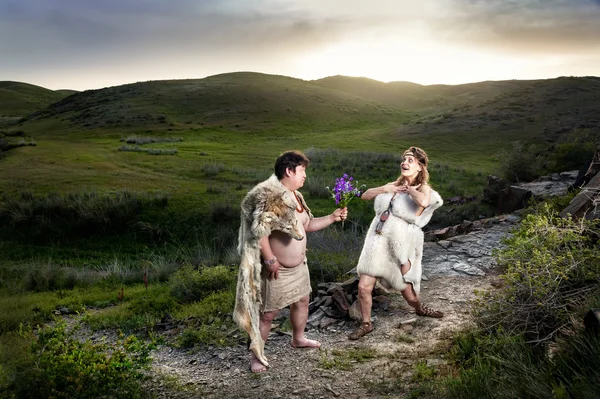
345,359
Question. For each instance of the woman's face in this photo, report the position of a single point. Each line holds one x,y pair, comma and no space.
410,166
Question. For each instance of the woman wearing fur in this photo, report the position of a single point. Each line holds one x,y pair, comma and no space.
393,246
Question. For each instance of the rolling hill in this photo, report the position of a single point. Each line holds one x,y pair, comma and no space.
416,97
20,99
542,110
241,101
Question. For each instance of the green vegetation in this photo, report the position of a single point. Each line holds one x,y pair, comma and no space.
90,224
344,359
529,341
52,363
21,99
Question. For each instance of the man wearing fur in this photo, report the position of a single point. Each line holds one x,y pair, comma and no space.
393,247
272,242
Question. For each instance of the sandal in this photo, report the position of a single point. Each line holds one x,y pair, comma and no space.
361,331
429,312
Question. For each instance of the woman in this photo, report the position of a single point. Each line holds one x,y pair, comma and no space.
393,247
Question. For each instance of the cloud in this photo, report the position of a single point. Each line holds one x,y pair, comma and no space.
549,26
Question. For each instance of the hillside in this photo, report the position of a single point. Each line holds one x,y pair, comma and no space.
415,97
542,110
240,101
20,99
546,110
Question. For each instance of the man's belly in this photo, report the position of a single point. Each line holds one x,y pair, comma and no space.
289,252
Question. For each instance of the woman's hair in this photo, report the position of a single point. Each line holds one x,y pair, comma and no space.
289,159
423,160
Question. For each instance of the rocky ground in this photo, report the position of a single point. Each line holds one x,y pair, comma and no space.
383,363
400,341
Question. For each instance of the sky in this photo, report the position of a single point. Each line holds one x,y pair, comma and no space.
90,44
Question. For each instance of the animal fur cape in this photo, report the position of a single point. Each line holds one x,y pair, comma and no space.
268,206
400,241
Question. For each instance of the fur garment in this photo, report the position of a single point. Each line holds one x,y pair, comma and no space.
267,207
400,241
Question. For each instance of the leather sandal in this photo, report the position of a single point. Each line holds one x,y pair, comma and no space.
361,331
429,312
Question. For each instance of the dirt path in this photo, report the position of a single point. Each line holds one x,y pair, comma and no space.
333,371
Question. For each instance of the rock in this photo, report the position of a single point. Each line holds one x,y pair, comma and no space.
354,311
585,204
445,244
407,321
326,322
468,269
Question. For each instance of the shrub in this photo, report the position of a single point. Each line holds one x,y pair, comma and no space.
551,264
189,284
148,140
212,169
57,365
53,216
521,163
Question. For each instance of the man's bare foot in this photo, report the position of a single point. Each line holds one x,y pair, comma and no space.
256,366
305,343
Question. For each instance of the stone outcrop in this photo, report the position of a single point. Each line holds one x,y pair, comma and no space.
510,197
586,204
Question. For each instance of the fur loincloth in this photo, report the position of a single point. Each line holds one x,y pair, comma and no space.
400,241
267,207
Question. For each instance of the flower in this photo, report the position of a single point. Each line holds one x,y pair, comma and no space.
344,190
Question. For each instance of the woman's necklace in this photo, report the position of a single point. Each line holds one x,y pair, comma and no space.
299,208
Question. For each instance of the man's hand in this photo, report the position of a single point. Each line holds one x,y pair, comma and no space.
340,214
273,270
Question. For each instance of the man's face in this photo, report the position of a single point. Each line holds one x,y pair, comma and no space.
297,176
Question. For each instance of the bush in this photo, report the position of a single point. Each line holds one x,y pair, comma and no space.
550,265
521,163
53,216
189,284
57,365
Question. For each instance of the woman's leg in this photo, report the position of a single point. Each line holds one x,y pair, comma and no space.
365,300
413,299
409,294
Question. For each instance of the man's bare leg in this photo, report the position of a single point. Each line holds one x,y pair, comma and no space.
265,328
298,318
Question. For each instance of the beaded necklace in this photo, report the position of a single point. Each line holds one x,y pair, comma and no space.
300,207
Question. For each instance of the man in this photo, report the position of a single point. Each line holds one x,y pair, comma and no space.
285,276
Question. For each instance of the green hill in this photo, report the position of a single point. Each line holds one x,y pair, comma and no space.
20,99
202,143
240,101
415,97
541,110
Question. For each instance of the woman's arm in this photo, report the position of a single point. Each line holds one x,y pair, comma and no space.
420,194
375,191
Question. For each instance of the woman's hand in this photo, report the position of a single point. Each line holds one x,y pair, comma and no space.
392,188
410,190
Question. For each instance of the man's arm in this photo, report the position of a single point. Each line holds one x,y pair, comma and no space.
272,264
316,224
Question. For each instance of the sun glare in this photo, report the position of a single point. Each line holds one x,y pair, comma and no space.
416,61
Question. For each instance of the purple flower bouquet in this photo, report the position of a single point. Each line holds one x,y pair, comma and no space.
344,190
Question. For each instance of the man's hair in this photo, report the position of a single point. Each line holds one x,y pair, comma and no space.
289,159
